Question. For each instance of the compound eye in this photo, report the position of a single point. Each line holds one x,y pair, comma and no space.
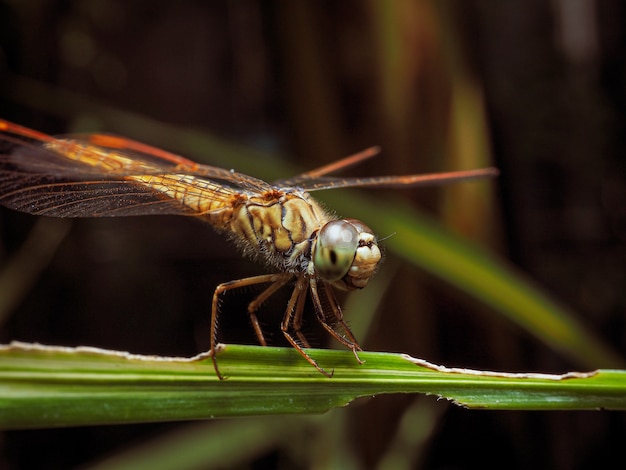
335,249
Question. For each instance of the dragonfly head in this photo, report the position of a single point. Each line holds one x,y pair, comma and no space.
345,253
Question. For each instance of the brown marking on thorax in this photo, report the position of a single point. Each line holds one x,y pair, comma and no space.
278,224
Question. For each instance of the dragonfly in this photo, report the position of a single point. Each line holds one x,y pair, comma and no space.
278,223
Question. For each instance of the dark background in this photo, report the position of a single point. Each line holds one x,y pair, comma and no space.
535,88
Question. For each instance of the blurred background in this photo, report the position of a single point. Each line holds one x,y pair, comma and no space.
271,88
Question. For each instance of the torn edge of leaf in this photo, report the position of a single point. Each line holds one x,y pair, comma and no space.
508,375
22,346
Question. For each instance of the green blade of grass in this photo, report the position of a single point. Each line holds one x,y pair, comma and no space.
51,386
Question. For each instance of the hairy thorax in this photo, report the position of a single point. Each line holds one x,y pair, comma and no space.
278,227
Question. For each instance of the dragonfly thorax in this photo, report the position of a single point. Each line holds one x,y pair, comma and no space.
345,253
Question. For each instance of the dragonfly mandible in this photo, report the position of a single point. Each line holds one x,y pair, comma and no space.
278,223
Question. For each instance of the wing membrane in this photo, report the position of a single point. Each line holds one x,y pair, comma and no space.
89,199
100,175
329,182
338,165
316,180
154,156
75,177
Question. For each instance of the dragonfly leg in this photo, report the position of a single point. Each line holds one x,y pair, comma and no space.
280,279
256,303
330,294
296,324
293,320
332,299
350,342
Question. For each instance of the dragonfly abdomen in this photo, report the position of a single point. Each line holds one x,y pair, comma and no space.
203,197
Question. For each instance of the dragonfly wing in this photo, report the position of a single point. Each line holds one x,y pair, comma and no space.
135,149
69,178
338,165
46,196
79,191
316,180
138,151
136,155
406,181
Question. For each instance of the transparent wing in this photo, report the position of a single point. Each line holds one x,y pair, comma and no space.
103,176
315,180
338,165
99,175
163,159
405,181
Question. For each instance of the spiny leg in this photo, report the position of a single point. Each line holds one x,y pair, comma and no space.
256,304
297,320
332,299
350,342
222,288
292,314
